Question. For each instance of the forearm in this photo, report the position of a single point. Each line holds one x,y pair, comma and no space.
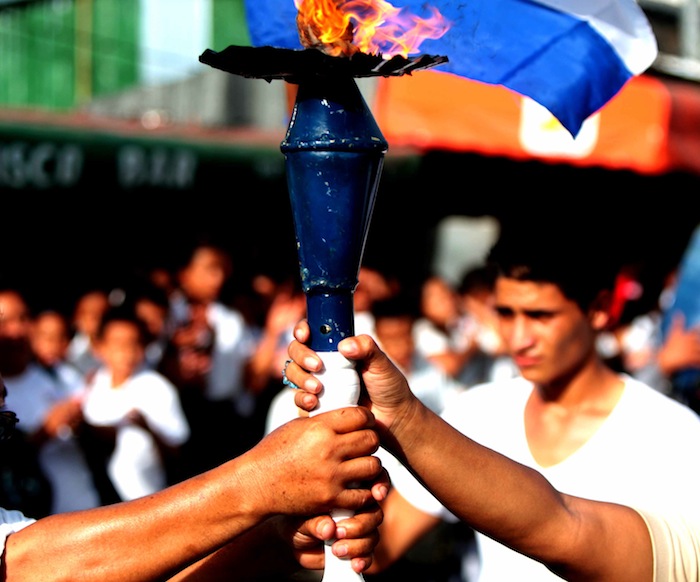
577,538
495,495
145,539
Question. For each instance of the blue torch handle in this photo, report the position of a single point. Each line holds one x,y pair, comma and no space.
334,154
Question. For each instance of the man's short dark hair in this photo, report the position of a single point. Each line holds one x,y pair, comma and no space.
582,263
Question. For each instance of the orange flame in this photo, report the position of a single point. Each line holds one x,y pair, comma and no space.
344,27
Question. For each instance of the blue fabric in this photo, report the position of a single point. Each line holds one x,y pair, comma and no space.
549,55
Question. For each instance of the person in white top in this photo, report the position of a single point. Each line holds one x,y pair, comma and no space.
590,431
136,406
577,539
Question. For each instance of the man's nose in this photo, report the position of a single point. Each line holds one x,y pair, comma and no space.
521,334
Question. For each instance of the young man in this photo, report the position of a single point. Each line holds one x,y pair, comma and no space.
590,431
578,539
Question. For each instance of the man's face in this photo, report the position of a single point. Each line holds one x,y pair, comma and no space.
547,335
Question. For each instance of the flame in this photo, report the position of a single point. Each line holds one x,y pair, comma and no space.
344,27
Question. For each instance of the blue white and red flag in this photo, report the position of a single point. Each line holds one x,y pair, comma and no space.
570,56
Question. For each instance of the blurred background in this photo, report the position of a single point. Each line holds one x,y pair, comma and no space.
117,144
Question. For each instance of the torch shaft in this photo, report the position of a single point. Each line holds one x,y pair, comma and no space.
344,390
334,155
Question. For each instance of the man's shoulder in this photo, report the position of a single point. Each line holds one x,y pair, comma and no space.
496,388
502,395
641,393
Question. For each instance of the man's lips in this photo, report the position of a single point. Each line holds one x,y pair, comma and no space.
525,361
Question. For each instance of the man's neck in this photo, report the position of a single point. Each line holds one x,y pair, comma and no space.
560,419
593,385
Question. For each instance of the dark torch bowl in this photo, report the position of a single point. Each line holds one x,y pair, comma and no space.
294,65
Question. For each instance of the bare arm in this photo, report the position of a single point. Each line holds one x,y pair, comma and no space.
306,467
264,553
516,505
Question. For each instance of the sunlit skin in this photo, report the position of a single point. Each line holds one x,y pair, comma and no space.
552,342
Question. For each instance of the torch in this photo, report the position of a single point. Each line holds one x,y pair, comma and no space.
334,154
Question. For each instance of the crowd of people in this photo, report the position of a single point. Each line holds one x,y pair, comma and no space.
145,386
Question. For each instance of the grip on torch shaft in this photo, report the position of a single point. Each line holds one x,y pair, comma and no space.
339,373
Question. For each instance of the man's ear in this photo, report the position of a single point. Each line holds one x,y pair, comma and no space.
599,312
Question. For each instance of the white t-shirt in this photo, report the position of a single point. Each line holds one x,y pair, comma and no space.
642,456
135,466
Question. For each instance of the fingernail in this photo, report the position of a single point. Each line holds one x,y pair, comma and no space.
340,532
340,550
310,363
310,384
